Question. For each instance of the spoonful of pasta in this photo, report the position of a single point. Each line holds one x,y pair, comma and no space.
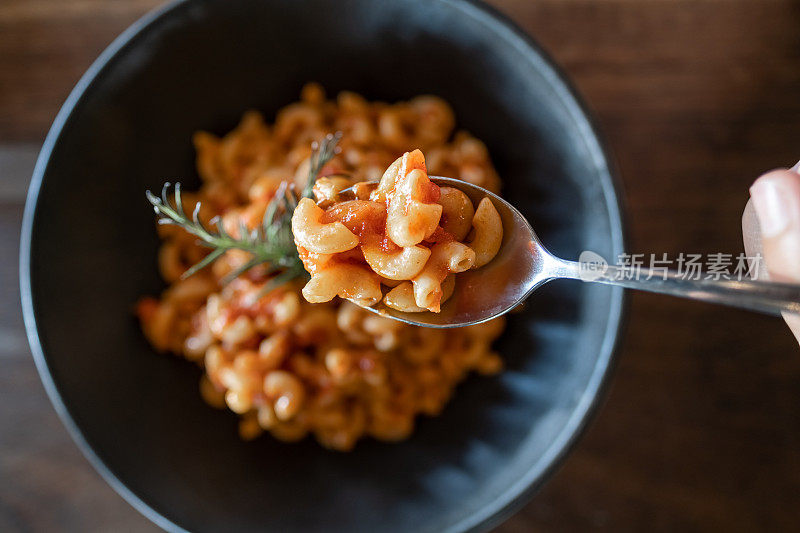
440,252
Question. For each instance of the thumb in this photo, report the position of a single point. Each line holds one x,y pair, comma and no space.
776,198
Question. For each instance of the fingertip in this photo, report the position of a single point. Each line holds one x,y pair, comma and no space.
776,198
751,238
788,179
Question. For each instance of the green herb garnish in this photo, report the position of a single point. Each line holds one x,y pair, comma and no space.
271,243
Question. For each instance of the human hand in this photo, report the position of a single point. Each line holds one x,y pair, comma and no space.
775,198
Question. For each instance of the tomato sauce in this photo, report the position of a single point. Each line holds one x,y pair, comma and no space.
440,235
363,218
430,194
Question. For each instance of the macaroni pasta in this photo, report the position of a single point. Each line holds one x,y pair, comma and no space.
408,229
331,370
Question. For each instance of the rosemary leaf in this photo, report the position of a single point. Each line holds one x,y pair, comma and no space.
244,268
207,260
277,281
272,242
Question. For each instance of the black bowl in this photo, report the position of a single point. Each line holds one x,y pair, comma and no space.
89,248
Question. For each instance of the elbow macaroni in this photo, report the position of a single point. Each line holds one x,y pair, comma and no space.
457,212
413,211
409,231
399,265
446,258
402,297
488,232
347,281
317,237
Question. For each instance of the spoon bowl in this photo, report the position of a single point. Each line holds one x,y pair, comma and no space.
521,265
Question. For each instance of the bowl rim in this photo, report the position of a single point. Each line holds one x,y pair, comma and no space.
513,497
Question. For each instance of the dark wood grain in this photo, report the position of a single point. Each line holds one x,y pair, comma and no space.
700,430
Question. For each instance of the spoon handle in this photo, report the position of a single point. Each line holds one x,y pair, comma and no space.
762,296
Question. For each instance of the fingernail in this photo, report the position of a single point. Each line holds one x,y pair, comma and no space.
796,168
772,207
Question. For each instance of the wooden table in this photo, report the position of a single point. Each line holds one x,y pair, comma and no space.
701,427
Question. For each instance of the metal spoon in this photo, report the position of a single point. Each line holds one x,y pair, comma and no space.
523,264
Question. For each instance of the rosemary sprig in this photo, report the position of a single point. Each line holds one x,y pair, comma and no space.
270,243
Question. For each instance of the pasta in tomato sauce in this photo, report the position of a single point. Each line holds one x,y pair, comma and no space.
401,233
332,370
